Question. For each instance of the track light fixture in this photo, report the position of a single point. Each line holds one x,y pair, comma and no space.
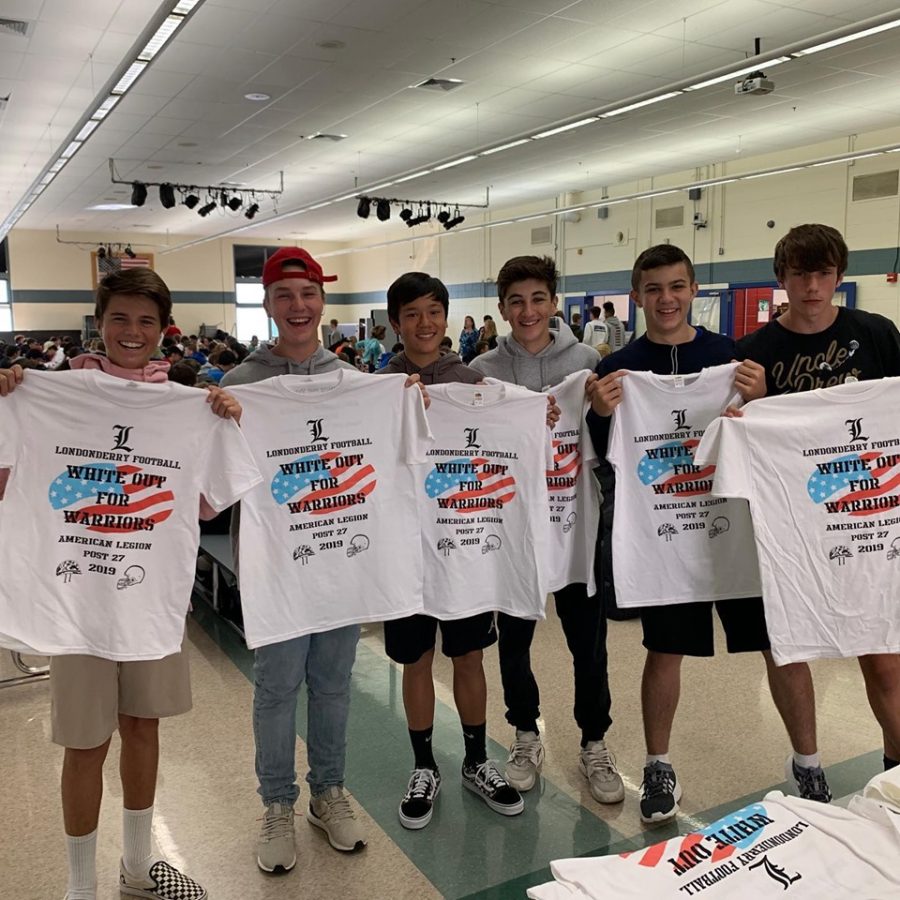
456,220
101,252
363,208
252,210
138,193
167,195
129,252
235,202
406,214
383,210
207,209
191,201
443,216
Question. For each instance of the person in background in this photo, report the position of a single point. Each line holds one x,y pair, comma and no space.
183,373
575,325
388,355
488,333
333,335
615,330
172,330
174,355
481,347
254,343
446,345
372,348
595,332
468,338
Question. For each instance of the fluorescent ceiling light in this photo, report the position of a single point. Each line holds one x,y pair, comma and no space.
184,7
260,97
572,125
562,212
455,162
352,196
414,175
57,166
736,73
130,76
71,150
162,35
318,206
111,207
529,218
503,147
86,130
103,110
847,38
639,104
767,174
379,187
846,159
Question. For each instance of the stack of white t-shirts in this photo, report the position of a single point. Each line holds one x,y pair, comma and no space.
673,542
483,501
330,538
572,489
885,788
782,844
821,470
99,524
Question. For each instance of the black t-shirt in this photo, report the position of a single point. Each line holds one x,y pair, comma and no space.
858,345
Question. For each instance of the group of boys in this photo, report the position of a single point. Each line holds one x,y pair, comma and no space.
541,351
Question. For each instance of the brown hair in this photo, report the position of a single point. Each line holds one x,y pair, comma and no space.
520,268
141,281
810,248
657,257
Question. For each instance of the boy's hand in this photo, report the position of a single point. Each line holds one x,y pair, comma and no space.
605,393
224,404
733,412
415,379
553,412
10,379
750,380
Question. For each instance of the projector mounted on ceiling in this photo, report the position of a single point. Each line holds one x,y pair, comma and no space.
754,83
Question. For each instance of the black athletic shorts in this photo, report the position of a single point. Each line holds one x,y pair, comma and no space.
407,639
687,628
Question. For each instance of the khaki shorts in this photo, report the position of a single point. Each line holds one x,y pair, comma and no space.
87,694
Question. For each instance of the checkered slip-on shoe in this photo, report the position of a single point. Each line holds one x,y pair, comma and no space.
163,882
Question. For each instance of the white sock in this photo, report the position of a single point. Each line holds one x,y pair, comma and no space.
136,853
82,854
807,762
658,757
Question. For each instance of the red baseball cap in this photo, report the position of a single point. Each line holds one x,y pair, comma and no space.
274,267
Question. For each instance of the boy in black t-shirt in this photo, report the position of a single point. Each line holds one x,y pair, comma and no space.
816,344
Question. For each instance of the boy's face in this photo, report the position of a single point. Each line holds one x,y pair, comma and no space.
810,293
665,296
131,330
422,325
296,305
528,307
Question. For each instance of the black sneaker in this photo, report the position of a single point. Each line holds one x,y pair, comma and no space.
486,781
661,793
418,804
811,782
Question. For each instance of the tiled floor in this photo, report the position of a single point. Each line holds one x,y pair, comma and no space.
728,744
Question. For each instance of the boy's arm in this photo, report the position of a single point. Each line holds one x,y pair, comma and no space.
10,379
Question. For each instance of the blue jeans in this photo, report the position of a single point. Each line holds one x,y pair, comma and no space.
325,661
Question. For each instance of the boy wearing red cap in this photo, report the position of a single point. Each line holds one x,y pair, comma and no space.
295,299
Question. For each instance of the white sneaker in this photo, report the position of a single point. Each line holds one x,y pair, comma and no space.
333,813
599,767
526,758
275,846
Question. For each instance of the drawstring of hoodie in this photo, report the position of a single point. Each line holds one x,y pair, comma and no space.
673,356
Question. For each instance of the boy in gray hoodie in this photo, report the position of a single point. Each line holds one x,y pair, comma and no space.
536,357
295,299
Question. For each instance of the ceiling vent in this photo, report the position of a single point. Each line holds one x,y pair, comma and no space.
325,136
440,84
878,184
17,27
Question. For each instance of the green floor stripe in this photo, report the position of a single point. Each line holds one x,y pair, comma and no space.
466,846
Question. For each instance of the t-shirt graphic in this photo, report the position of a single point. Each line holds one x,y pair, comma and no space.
331,536
98,528
483,501
572,490
781,846
821,470
673,542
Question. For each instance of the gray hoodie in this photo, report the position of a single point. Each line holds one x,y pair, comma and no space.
536,371
446,369
265,363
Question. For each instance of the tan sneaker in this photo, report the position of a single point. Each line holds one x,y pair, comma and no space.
599,767
332,813
526,758
275,848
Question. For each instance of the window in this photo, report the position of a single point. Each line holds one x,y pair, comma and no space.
6,322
